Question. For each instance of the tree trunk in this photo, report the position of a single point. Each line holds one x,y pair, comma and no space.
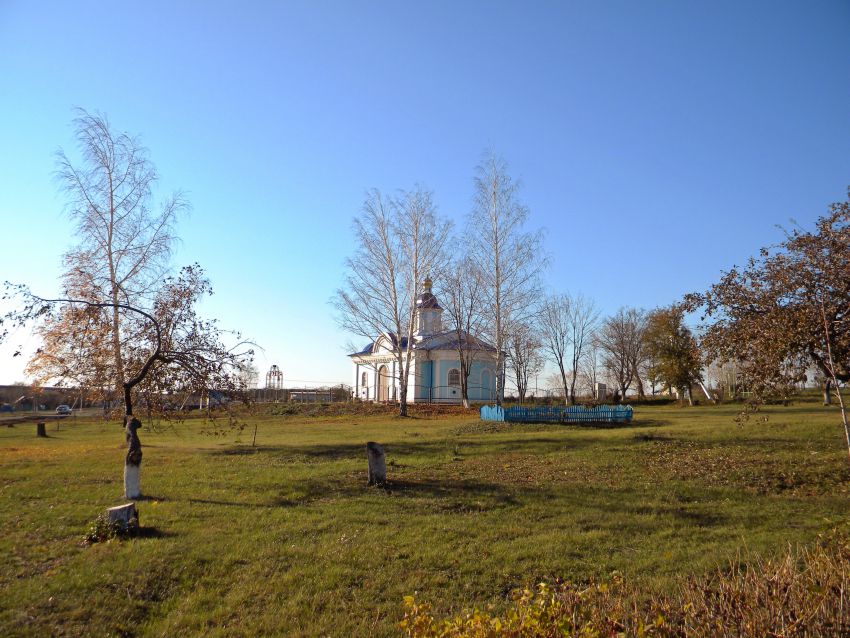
402,402
403,370
464,381
500,377
133,460
827,397
564,383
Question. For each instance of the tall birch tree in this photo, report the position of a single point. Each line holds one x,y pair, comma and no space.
463,296
555,332
121,326
509,259
125,240
400,240
524,358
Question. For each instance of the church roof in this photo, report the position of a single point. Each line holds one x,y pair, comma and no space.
366,350
447,340
369,348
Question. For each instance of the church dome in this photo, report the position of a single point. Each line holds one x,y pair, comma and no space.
427,298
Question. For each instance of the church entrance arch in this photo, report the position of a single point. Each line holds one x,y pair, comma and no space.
383,384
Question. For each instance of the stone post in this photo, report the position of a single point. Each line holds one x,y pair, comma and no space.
133,461
377,464
123,515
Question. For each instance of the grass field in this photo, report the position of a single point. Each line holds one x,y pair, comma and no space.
285,538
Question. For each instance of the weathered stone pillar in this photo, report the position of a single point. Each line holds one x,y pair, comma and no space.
377,464
40,429
133,461
123,515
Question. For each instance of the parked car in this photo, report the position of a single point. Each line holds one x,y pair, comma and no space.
63,409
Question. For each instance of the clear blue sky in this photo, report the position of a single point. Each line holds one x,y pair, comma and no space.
658,142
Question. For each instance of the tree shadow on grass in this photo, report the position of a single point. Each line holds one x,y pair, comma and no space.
152,532
449,495
649,423
398,450
446,488
692,517
245,504
454,496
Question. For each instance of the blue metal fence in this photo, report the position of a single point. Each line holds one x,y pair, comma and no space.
558,414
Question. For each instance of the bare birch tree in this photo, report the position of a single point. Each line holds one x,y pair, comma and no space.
582,320
120,324
567,323
508,259
400,240
555,332
524,357
463,295
124,244
620,340
590,366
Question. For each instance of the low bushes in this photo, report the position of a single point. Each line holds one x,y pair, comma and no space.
802,593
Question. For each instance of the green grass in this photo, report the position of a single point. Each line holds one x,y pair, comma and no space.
286,539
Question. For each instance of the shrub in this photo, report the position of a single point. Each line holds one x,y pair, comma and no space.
101,530
802,593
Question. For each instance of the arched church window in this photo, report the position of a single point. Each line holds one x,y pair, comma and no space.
454,376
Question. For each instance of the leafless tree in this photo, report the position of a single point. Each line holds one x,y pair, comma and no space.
400,240
463,294
620,340
124,244
555,334
583,319
567,325
590,366
249,376
554,385
524,356
509,259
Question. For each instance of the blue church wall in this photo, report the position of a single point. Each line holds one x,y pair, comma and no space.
480,389
445,392
424,372
482,381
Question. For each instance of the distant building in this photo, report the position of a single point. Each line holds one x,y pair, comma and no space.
434,375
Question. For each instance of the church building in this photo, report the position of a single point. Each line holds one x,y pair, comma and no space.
435,367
